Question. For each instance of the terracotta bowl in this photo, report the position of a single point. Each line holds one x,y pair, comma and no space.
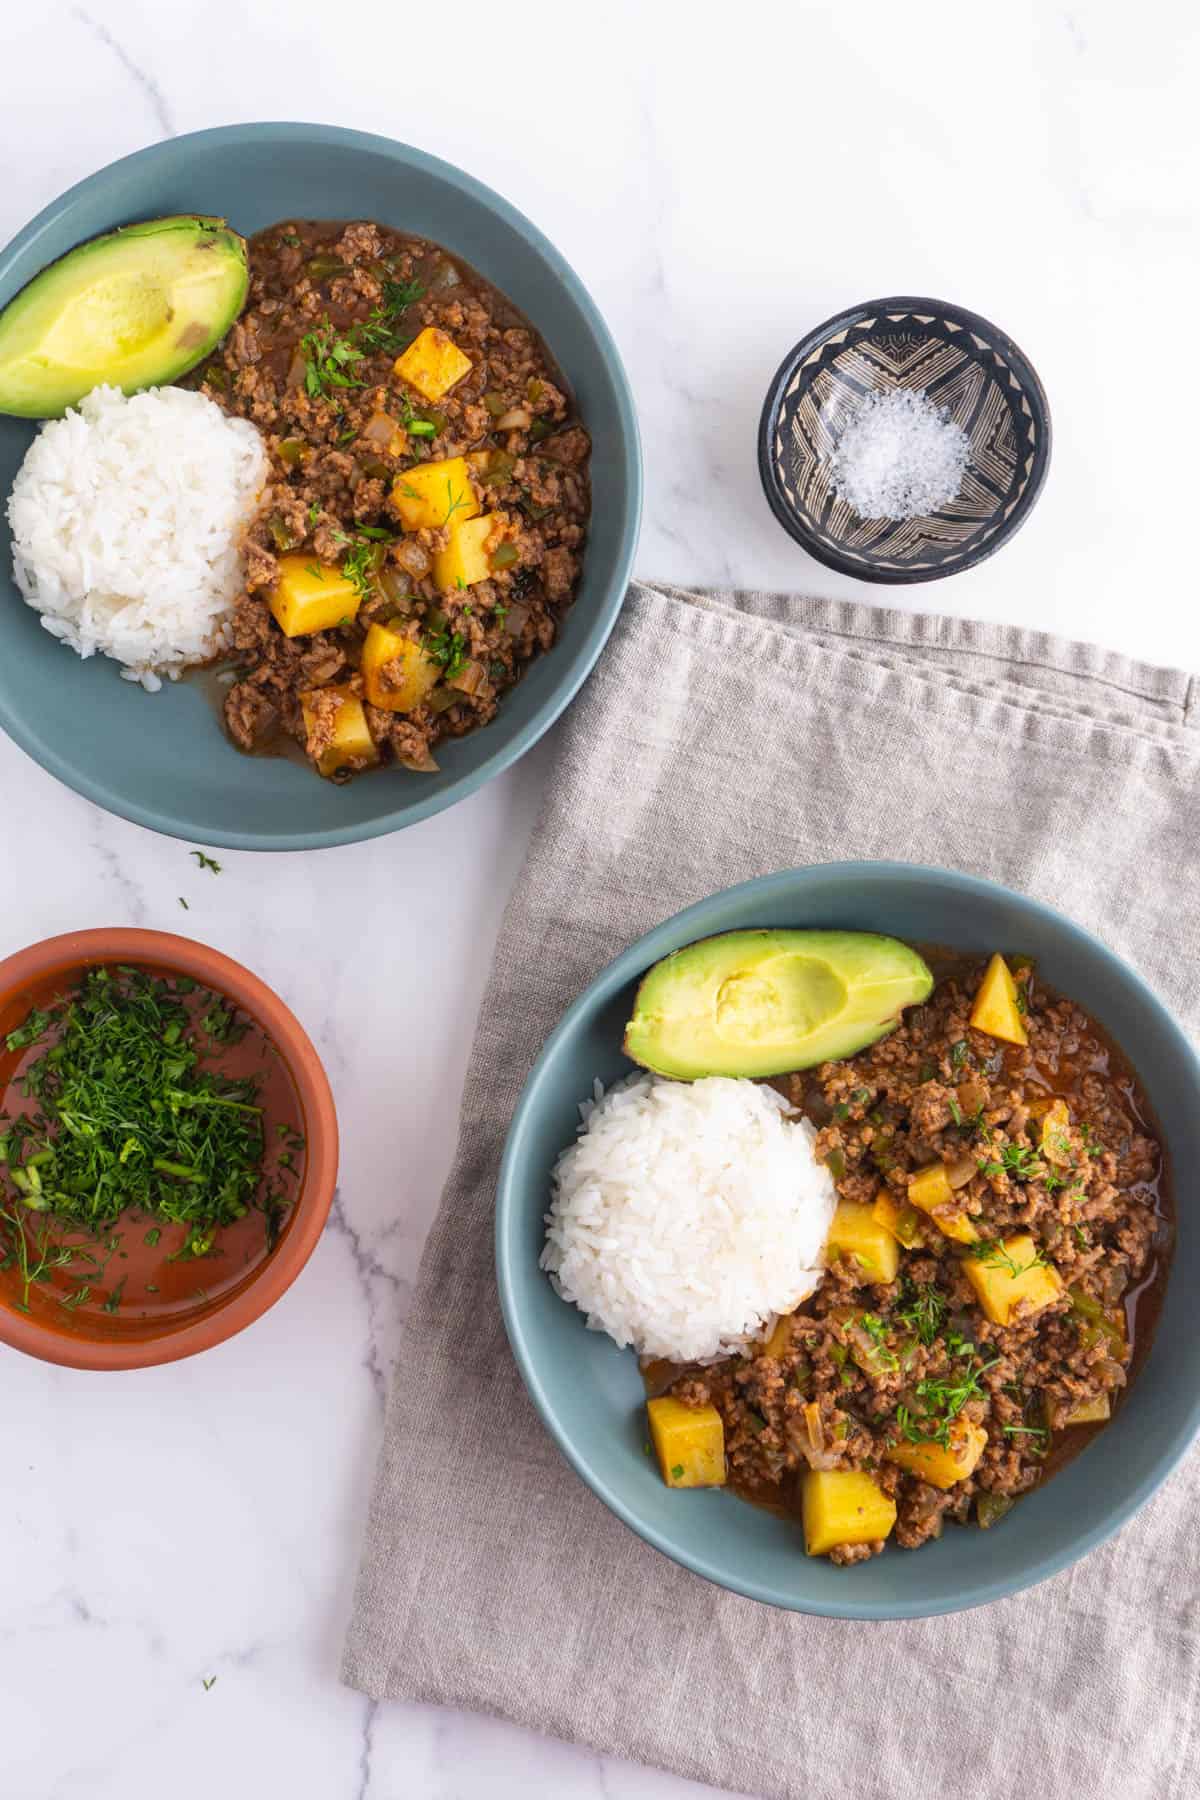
168,1307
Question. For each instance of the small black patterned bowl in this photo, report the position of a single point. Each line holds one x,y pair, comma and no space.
966,366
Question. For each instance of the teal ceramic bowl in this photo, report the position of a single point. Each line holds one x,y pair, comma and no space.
590,1395
163,760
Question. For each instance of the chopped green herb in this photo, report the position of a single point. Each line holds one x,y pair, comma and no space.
210,1681
184,904
923,1311
940,1400
328,359
361,562
677,1472
991,1252
114,1298
127,1115
448,649
28,1033
206,862
152,1236
1015,1160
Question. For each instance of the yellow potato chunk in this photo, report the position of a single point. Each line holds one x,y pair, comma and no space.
941,1465
311,596
432,494
995,1010
1090,1412
433,363
779,1340
931,1191
1012,1275
857,1233
843,1506
901,1221
397,674
464,560
690,1442
1056,1134
351,736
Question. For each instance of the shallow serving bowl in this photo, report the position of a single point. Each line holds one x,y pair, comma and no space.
128,1338
968,367
590,1394
163,760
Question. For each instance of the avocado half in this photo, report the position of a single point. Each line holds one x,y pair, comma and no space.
759,1003
136,308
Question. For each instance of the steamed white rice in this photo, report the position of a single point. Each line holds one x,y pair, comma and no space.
688,1215
126,519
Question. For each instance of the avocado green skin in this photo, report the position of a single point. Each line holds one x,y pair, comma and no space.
789,1000
37,308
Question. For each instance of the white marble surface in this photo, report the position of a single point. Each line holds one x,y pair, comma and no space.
722,178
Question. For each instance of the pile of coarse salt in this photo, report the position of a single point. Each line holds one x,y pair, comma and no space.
900,456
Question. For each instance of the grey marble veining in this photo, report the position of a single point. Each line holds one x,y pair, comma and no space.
721,181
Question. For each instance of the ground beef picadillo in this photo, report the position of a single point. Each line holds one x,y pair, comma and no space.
311,363
914,1358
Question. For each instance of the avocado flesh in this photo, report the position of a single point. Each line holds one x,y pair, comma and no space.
135,309
760,1003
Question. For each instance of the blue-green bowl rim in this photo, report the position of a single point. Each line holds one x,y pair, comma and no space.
624,969
585,657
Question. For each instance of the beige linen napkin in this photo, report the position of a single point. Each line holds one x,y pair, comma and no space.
724,735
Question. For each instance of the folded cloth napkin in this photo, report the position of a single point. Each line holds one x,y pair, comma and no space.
721,736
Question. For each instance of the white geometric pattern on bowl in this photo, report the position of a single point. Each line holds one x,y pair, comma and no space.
962,372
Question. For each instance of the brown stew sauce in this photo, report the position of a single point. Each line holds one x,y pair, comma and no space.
1142,1303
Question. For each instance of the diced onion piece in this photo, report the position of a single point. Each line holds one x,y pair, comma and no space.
470,679
517,418
379,428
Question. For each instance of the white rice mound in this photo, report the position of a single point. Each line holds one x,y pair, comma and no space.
127,517
688,1215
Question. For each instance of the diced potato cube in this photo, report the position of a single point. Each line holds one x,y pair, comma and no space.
779,1340
1090,1412
432,494
843,1506
931,1191
1010,1275
995,1010
857,1233
311,596
901,1221
465,559
351,736
433,363
1056,1134
941,1465
397,674
690,1442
